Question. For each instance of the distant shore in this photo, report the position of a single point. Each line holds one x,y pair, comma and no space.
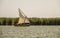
33,21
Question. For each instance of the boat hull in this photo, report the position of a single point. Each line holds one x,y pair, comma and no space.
24,24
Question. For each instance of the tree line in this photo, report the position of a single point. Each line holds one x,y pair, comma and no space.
33,21
44,21
8,21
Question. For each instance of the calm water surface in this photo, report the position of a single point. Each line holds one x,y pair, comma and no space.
30,32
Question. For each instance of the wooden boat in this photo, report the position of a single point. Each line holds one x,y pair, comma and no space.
23,21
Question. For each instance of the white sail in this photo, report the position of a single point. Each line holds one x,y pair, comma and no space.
22,18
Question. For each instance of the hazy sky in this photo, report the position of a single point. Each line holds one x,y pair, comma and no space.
32,8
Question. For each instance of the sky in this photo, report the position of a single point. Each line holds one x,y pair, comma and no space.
31,8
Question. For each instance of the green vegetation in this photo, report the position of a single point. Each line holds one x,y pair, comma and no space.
8,21
33,21
44,21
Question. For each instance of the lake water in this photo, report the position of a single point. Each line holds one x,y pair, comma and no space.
30,32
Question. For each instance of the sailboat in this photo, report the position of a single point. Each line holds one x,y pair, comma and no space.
23,21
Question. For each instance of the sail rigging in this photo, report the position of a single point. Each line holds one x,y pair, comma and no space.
22,18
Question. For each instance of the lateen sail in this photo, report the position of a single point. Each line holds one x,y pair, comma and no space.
22,18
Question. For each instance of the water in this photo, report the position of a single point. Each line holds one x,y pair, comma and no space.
30,32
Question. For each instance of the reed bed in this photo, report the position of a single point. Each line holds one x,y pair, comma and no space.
33,21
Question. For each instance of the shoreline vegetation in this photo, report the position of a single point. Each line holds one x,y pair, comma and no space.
33,21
